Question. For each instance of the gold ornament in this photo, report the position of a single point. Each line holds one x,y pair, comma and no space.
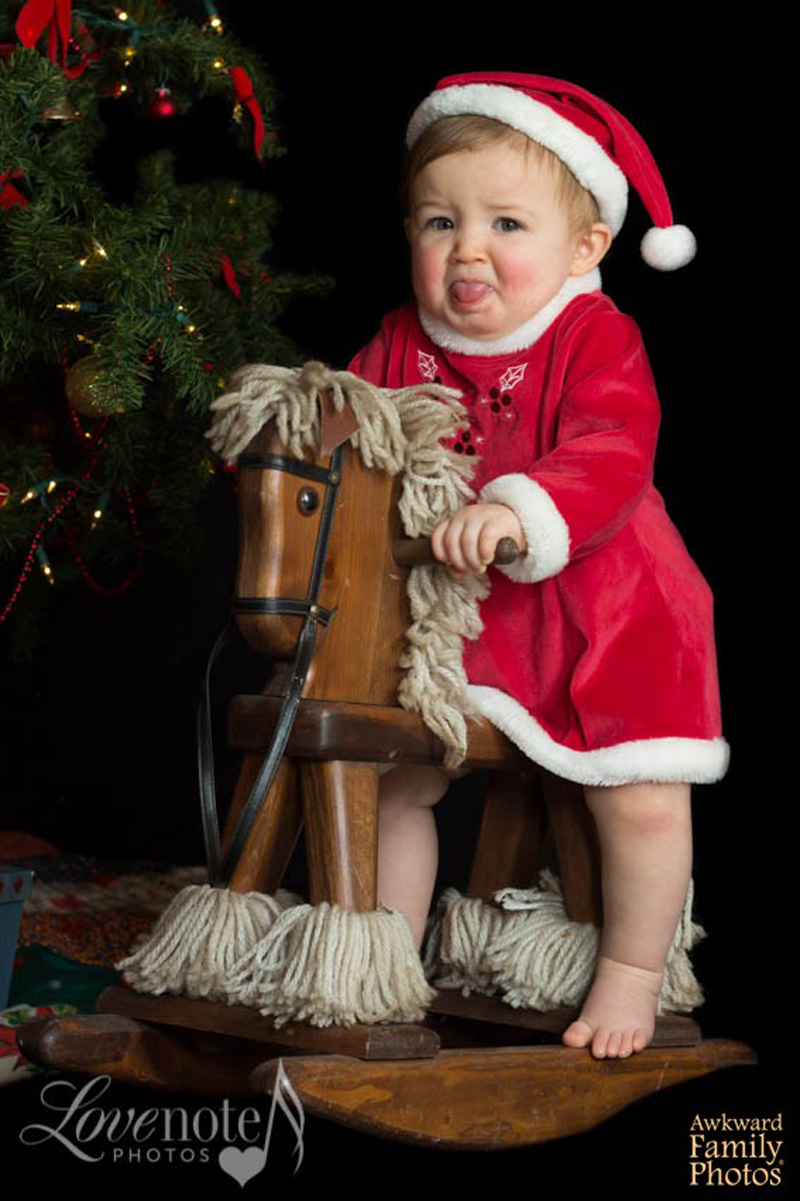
83,388
62,110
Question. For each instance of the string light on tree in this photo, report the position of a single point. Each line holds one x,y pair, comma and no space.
43,489
98,251
214,22
44,564
100,510
78,306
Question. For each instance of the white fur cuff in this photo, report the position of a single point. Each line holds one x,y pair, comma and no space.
545,530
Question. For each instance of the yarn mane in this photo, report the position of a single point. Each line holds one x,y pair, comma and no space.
399,432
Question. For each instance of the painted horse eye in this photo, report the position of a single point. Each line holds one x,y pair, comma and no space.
307,500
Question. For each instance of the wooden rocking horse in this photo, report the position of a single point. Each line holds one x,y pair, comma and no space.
321,590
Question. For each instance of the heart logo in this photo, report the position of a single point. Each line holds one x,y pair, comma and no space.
242,1165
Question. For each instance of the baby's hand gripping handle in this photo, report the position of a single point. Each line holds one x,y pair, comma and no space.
417,552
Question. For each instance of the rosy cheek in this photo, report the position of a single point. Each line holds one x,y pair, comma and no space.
426,272
521,274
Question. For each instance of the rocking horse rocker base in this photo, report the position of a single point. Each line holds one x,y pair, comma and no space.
452,1082
475,1074
447,1078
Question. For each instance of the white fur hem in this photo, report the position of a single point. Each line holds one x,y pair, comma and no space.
583,154
545,530
660,760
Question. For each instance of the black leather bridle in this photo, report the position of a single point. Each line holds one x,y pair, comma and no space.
220,868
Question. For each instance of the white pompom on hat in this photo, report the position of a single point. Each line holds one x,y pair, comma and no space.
599,146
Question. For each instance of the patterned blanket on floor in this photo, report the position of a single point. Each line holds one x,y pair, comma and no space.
82,916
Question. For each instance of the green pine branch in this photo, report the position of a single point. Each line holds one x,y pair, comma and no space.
138,309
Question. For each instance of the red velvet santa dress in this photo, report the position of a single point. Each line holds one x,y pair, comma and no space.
597,656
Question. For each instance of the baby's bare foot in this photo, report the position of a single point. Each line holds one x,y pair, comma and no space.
618,1015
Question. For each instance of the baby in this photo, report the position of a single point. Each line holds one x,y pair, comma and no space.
597,656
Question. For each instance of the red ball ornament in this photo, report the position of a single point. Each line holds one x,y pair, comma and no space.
5,492
162,106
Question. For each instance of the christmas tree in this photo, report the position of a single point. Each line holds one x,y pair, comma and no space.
123,307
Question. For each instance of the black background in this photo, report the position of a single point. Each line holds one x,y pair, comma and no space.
100,750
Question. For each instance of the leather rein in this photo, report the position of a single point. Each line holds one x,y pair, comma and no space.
221,867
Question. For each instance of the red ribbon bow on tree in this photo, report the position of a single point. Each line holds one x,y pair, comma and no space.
53,15
244,94
229,275
9,195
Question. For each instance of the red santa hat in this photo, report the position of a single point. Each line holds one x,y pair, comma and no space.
599,146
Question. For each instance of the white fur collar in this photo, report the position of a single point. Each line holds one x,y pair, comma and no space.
520,338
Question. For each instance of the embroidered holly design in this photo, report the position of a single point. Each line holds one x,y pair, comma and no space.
498,404
428,367
510,378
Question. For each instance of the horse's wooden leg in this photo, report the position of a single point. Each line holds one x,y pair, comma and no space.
269,846
508,852
577,849
340,804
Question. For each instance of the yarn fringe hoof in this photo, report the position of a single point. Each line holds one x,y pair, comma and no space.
525,948
199,939
289,960
329,966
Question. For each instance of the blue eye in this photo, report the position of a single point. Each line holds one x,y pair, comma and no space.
439,223
507,225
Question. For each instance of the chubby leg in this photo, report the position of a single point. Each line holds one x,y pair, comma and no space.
645,836
408,848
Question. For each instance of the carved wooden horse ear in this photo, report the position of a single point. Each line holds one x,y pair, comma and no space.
368,1034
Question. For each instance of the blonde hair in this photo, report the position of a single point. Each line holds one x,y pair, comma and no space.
451,135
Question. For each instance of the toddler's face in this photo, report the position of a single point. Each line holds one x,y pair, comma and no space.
490,242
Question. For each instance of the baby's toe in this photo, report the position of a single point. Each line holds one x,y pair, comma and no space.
641,1039
600,1043
578,1034
613,1044
625,1044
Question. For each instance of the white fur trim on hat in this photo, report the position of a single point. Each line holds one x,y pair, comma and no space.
584,156
665,760
545,530
668,248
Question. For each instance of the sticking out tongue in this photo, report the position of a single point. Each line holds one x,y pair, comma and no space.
466,292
